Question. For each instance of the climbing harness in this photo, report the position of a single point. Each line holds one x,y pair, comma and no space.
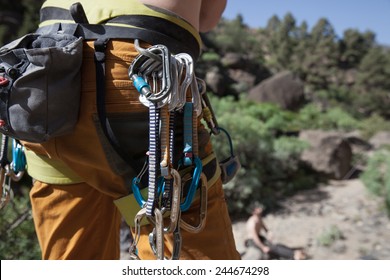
10,171
169,88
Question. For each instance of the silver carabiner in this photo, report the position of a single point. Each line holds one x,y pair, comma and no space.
6,193
175,203
16,177
136,73
202,211
186,62
156,237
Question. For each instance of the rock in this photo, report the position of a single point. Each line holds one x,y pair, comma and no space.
284,89
380,139
233,61
216,81
243,80
329,153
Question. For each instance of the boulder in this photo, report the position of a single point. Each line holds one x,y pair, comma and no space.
284,89
243,80
216,81
233,61
380,139
329,153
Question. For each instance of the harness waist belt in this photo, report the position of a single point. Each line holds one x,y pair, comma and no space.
49,170
178,40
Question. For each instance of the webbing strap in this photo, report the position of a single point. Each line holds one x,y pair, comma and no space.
153,158
188,110
50,170
100,48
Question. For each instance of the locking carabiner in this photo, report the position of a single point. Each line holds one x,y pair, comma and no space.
137,73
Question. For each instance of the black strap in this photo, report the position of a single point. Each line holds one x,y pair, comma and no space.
78,14
100,48
4,151
151,29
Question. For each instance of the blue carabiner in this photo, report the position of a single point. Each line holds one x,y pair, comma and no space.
194,185
137,193
18,157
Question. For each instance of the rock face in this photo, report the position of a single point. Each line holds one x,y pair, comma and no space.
284,89
329,153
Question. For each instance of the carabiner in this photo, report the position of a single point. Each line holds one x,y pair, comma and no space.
202,210
174,216
208,113
188,78
156,237
135,72
137,193
4,194
194,185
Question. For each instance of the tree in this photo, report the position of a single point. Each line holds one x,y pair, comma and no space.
18,18
321,62
354,46
231,36
300,51
280,42
373,83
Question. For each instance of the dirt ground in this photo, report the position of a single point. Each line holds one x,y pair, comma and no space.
337,221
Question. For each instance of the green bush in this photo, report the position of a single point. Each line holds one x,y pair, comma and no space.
330,235
270,160
210,57
335,118
373,124
376,176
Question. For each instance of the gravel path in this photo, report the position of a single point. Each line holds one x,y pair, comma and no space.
341,220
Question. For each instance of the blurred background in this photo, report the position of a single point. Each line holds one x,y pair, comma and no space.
303,88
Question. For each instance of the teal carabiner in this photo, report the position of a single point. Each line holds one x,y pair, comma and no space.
194,185
18,157
137,193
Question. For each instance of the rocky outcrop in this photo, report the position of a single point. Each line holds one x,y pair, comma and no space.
284,89
329,153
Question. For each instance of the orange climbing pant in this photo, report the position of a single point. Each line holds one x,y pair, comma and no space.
78,219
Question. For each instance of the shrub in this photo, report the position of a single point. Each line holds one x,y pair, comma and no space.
270,161
330,235
312,117
376,176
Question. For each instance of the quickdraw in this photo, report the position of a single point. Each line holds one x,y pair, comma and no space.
163,81
10,171
167,85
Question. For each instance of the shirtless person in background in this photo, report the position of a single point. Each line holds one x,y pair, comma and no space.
260,246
